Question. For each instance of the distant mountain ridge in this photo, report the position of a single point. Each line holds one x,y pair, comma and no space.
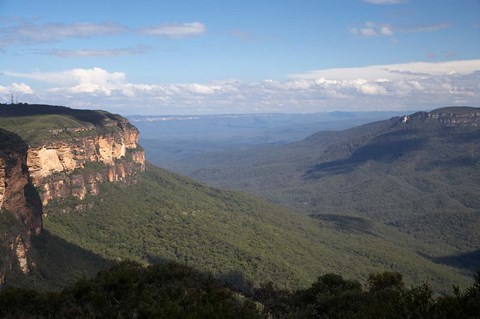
170,140
417,173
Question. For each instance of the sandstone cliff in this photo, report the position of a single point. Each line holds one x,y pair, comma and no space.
61,169
17,197
52,153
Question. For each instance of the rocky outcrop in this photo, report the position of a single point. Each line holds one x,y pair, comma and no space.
76,167
449,116
21,251
17,194
59,163
17,197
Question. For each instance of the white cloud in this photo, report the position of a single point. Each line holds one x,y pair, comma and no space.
21,88
94,80
201,89
16,88
371,29
379,87
394,71
386,30
176,30
366,87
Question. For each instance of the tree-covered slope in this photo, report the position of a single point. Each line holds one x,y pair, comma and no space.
159,215
418,174
166,216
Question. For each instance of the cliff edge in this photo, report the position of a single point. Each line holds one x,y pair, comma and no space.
53,153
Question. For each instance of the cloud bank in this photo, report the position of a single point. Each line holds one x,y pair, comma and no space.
417,85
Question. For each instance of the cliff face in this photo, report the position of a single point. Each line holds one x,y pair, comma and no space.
17,196
61,169
52,153
14,192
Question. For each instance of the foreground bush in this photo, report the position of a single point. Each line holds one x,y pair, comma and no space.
170,290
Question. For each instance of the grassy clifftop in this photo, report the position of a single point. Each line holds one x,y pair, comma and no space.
39,123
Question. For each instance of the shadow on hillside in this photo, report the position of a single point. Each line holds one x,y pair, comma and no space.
60,263
379,151
468,261
154,259
13,150
90,116
10,141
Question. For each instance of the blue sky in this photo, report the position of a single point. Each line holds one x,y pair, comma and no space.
194,57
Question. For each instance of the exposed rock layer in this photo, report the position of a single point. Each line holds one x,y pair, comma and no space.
16,192
17,196
60,169
450,116
57,168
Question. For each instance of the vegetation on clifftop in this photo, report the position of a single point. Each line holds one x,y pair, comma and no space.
36,124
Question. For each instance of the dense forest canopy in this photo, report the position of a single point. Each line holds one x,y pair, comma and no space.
170,290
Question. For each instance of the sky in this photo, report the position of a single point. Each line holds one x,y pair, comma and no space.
242,56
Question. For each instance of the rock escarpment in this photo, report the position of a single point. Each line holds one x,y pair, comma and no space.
18,198
52,153
61,169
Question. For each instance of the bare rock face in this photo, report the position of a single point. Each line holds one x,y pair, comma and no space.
17,197
21,252
67,162
60,169
16,191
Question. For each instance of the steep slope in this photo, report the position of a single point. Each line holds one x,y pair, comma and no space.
170,140
97,196
20,208
418,174
51,153
71,151
165,216
29,255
